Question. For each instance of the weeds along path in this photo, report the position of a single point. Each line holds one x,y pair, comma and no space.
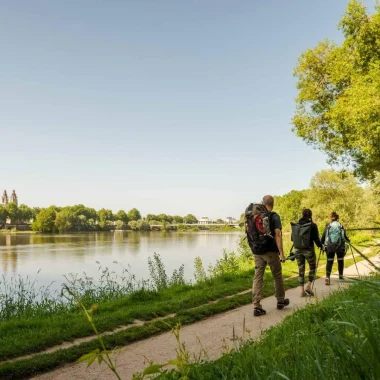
208,339
78,341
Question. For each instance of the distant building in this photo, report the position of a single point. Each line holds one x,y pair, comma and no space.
204,220
5,200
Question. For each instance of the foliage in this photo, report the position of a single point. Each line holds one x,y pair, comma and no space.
199,271
25,213
3,214
190,219
228,263
13,212
134,214
338,103
45,220
105,217
122,216
329,191
337,339
159,277
288,206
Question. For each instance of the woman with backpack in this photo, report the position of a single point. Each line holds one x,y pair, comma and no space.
334,240
306,230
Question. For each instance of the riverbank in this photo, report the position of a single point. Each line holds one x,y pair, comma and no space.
208,340
144,312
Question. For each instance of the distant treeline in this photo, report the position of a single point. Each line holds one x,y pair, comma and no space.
81,218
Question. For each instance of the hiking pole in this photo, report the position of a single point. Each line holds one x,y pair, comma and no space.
353,256
316,269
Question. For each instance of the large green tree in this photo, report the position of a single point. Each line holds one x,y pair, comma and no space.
13,212
45,221
338,103
289,206
134,214
339,191
190,219
25,213
122,216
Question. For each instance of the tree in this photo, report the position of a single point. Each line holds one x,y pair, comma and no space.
338,191
122,216
13,212
289,206
220,221
45,221
105,217
190,219
338,103
65,220
3,214
134,214
25,213
177,219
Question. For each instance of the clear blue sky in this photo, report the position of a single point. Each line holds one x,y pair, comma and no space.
169,106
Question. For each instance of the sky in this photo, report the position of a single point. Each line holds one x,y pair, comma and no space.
169,106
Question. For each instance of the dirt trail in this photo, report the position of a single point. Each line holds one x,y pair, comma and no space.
215,334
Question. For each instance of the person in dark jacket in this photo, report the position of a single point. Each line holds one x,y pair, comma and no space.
340,252
308,254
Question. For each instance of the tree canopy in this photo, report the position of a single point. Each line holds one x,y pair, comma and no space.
338,102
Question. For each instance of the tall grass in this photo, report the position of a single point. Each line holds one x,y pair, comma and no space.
338,338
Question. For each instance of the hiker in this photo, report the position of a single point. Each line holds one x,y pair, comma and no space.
263,229
333,239
304,235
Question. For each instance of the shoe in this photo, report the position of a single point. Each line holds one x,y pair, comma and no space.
258,312
309,292
327,281
341,278
281,305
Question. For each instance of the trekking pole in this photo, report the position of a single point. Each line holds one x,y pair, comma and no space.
353,256
316,269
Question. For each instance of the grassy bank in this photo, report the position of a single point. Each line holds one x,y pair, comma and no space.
27,329
336,339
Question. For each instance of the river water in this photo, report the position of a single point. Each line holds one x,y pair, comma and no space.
47,258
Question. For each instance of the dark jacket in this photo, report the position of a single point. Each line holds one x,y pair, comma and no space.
323,238
314,234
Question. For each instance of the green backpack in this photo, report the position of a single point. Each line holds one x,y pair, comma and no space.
301,235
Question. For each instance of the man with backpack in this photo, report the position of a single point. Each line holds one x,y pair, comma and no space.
334,238
263,229
304,235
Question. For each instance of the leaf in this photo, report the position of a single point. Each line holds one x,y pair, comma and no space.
85,357
100,359
88,356
174,362
91,360
152,369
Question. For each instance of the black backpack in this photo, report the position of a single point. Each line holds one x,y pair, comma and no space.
258,222
301,235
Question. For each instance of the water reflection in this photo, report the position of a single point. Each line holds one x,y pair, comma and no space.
55,255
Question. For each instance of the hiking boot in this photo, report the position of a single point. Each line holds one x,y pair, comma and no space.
327,281
309,292
258,312
281,305
341,278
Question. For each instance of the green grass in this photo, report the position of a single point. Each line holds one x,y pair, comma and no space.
25,335
336,339
45,362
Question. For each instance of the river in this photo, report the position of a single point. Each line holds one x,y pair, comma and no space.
46,258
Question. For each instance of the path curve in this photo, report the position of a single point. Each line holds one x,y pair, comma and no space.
215,334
